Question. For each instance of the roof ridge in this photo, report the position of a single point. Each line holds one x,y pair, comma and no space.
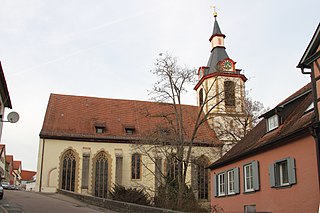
118,99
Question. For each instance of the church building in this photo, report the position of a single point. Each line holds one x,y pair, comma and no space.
88,144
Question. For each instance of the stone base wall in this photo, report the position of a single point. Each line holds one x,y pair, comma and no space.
113,204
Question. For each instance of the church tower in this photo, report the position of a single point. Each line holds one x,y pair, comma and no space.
221,90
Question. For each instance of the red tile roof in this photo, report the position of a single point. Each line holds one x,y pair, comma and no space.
9,158
75,118
27,175
295,122
16,164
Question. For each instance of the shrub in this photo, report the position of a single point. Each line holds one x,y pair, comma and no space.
167,196
130,195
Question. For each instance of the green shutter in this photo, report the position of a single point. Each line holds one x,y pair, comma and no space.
255,169
271,175
236,180
215,186
291,171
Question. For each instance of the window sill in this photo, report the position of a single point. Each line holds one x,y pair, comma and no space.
249,191
284,186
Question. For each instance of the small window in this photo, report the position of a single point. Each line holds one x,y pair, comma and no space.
231,184
135,166
221,184
282,173
130,130
248,178
272,122
100,129
250,209
227,183
251,177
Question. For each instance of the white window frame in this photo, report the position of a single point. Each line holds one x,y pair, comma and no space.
221,184
281,173
248,177
277,173
231,182
273,122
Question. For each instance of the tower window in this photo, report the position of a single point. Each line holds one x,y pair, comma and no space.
229,94
201,97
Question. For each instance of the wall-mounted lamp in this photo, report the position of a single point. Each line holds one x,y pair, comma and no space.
12,117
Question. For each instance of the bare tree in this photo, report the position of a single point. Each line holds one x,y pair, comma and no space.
234,127
170,139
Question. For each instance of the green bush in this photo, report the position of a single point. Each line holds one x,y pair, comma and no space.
167,197
130,195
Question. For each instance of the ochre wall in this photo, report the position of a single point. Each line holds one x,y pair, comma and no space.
53,149
301,197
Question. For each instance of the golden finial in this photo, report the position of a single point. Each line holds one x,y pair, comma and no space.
215,14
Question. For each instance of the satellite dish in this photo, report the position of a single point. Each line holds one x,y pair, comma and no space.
13,117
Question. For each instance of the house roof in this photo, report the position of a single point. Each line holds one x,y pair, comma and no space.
311,52
75,118
295,123
27,175
9,158
16,164
4,90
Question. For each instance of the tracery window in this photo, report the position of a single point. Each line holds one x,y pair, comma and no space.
172,167
101,175
135,166
203,178
68,171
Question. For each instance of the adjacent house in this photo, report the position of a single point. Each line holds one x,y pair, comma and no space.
275,167
5,101
2,161
16,172
28,180
9,169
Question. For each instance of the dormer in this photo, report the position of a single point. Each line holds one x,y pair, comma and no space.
273,118
273,122
100,127
129,130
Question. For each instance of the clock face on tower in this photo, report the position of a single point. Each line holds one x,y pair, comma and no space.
227,65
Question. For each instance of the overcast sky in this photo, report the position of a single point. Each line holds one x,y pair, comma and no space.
106,48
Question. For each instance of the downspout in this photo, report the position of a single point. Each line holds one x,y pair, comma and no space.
41,168
316,128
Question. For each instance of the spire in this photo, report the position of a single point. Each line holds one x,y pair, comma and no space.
216,28
218,52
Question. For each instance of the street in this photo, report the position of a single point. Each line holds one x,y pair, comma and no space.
31,202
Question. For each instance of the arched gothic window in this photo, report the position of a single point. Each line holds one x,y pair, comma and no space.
136,166
203,178
101,175
172,167
68,171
